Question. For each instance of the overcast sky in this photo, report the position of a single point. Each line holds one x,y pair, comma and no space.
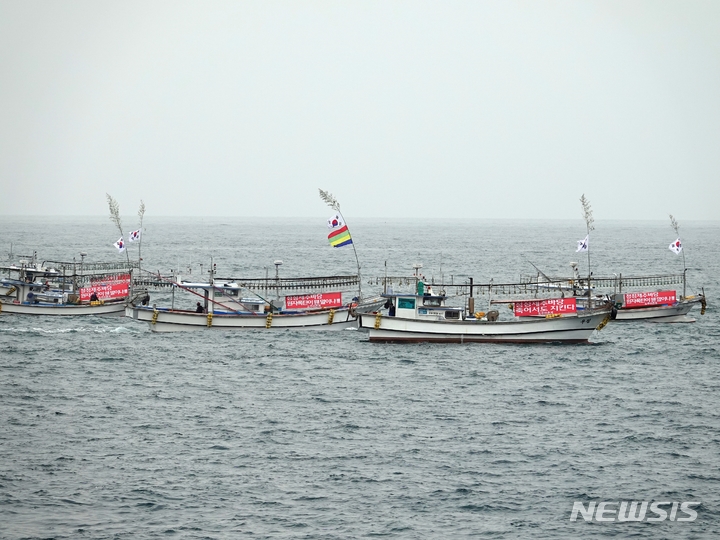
400,109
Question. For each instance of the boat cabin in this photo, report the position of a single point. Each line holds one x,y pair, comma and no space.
421,307
227,297
34,285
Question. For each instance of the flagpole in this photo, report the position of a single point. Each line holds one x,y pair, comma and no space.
115,218
676,226
357,260
589,220
589,270
141,213
335,205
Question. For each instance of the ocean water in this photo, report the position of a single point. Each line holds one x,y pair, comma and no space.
110,431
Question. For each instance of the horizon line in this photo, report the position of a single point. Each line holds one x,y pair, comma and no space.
195,216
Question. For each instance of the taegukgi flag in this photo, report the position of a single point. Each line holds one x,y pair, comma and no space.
134,236
675,247
335,221
583,244
120,245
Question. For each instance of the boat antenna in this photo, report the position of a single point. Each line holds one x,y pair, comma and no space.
333,203
385,280
676,227
589,223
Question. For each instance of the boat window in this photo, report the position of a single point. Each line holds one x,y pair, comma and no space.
452,314
432,301
229,292
406,303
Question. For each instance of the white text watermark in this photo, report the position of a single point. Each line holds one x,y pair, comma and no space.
609,511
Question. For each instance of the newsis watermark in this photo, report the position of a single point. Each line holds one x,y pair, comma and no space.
622,511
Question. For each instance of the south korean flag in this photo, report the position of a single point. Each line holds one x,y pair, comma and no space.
335,222
583,244
675,247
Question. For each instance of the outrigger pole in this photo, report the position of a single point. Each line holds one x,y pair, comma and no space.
332,202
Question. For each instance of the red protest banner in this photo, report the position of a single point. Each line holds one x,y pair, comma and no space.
642,299
107,288
314,301
547,306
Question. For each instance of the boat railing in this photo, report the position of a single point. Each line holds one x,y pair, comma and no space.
274,285
619,281
85,267
532,285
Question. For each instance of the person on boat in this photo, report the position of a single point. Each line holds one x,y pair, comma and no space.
94,297
199,308
420,286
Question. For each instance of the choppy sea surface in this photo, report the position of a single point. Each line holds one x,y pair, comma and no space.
110,431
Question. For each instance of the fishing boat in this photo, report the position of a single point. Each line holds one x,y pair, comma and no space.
63,288
651,298
231,304
427,318
658,305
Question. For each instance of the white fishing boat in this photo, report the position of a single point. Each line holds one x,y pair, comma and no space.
657,306
175,320
427,318
33,288
230,305
650,298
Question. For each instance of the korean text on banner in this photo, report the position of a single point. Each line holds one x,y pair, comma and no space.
642,299
107,289
314,301
548,306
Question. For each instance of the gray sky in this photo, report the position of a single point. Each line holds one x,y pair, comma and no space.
400,109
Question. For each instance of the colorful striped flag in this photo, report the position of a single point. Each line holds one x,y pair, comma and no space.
340,237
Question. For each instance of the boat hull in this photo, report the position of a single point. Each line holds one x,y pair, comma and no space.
116,309
568,329
164,320
676,313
